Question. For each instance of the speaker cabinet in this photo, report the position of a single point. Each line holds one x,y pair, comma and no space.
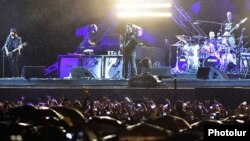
144,80
81,72
66,63
113,67
93,64
210,73
162,71
33,72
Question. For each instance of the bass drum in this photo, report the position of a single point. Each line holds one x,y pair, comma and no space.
182,64
212,61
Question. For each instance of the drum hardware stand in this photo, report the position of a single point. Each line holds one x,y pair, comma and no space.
176,64
169,54
240,45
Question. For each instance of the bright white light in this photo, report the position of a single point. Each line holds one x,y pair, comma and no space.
143,14
69,135
143,5
143,8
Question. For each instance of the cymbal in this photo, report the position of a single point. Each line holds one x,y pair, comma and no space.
199,37
183,37
177,45
226,36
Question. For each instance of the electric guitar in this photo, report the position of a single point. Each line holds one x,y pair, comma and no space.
10,53
235,27
124,45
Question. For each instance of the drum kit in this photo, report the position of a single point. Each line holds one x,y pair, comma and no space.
198,51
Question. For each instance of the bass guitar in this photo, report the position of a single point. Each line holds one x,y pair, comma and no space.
9,54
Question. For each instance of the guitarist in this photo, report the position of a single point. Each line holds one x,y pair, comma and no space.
128,49
12,42
228,55
229,39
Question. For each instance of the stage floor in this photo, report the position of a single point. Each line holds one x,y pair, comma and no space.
171,83
230,92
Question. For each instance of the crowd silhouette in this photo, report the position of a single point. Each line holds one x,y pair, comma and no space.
110,119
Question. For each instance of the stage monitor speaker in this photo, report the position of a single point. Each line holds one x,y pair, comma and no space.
81,72
113,67
144,80
162,71
210,73
93,64
33,72
66,63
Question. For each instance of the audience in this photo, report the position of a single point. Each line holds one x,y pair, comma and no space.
110,119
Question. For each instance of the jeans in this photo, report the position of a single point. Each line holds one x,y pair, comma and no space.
130,59
13,66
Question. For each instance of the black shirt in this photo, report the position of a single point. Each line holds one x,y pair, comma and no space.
12,43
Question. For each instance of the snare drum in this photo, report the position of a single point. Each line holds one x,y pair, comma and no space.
182,63
212,61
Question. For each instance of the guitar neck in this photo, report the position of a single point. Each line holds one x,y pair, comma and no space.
14,50
232,30
19,47
235,27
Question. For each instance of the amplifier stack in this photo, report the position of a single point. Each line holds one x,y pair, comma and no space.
98,66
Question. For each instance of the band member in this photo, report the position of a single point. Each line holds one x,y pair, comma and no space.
228,46
210,49
89,32
130,40
211,43
229,24
228,40
12,51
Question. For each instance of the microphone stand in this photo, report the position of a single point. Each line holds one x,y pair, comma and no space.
3,70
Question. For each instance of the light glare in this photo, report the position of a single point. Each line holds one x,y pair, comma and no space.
144,14
143,8
145,5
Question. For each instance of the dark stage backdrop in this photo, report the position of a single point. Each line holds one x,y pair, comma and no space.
49,25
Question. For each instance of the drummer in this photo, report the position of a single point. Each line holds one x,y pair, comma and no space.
210,46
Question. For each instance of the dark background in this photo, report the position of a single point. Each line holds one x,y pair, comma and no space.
49,25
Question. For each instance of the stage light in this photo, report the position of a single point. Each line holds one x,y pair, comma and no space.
143,5
143,14
143,8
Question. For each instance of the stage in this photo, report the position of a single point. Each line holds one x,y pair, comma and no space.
176,88
181,81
